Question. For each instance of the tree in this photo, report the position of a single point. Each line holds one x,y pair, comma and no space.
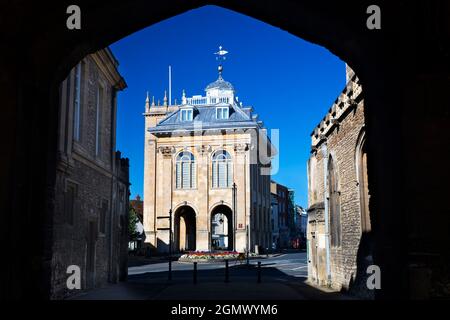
133,219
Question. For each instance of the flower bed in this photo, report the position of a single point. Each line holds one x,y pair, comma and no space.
215,256
209,256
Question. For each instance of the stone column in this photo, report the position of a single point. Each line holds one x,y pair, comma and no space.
150,173
164,196
240,178
203,184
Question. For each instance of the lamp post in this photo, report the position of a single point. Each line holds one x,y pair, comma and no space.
167,152
170,244
247,242
234,216
170,239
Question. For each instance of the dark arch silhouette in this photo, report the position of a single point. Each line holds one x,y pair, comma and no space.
403,68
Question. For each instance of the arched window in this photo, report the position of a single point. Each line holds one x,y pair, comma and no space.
222,170
185,171
334,204
364,196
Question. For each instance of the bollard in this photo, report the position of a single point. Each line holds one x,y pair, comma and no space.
227,276
195,272
259,271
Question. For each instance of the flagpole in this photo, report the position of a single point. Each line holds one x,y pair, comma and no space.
170,85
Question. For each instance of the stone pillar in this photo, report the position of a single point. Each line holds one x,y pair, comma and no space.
164,197
240,178
203,214
150,186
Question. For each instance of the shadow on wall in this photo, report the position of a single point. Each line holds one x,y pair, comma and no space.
161,247
358,284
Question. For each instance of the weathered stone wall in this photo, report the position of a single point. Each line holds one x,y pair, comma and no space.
316,249
337,137
99,181
119,220
282,200
342,145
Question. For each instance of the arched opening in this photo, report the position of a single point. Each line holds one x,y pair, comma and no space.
363,182
31,101
221,228
224,168
334,204
185,229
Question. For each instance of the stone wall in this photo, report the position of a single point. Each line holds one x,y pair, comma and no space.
281,197
336,138
91,193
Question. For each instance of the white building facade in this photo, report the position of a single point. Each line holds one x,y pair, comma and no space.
207,160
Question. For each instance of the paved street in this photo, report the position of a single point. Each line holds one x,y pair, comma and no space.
292,264
282,277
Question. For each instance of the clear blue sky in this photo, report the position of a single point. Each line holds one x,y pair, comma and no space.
290,83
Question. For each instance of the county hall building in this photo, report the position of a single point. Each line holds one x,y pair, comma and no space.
207,161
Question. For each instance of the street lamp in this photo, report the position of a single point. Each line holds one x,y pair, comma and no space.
234,216
170,239
170,244
247,242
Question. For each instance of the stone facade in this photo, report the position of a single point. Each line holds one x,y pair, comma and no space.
92,181
338,215
301,221
280,213
239,136
275,215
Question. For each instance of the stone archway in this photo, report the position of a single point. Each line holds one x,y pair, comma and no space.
185,229
222,235
405,91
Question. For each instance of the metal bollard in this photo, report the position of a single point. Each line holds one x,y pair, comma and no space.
195,272
259,271
227,276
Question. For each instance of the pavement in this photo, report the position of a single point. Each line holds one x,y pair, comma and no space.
283,277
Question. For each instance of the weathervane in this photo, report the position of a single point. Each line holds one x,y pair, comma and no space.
220,56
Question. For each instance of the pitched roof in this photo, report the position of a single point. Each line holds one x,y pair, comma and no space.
206,115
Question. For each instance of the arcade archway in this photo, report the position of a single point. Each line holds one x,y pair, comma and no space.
221,228
185,229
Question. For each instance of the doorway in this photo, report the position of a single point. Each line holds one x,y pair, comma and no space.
221,228
185,229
